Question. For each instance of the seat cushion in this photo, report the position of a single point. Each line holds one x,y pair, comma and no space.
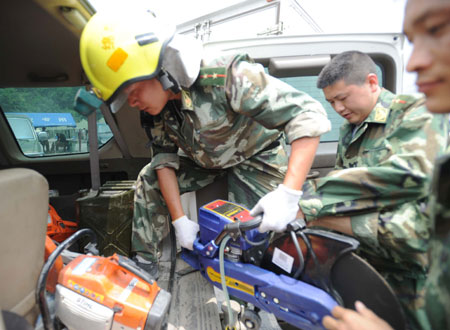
23,225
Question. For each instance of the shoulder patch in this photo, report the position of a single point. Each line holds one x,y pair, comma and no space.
212,76
401,102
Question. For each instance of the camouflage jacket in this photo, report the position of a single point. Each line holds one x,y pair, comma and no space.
438,282
383,166
233,111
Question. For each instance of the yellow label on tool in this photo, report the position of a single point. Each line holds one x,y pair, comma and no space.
228,210
231,282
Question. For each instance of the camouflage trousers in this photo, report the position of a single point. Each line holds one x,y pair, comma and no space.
410,293
399,255
247,182
409,288
437,286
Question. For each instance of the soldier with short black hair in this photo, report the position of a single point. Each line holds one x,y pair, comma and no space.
378,189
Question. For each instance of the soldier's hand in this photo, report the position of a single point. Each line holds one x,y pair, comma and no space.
279,207
186,231
348,319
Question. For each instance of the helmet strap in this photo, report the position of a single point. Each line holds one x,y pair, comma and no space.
168,82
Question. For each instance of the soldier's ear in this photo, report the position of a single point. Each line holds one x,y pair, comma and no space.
372,79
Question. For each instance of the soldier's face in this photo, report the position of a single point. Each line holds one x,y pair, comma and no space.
147,95
353,102
427,26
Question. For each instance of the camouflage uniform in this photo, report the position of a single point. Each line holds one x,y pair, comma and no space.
437,286
229,123
380,179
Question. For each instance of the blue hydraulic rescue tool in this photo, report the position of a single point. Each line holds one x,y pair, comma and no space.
299,275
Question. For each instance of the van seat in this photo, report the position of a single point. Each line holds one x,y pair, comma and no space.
23,219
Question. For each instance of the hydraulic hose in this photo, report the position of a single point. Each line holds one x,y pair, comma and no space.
173,257
222,279
300,255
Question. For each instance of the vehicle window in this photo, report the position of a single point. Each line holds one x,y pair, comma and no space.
21,128
25,134
45,123
307,84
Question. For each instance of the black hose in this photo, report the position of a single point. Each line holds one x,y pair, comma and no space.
40,290
300,255
310,249
263,241
173,257
236,228
325,286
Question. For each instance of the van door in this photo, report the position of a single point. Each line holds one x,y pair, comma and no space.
251,18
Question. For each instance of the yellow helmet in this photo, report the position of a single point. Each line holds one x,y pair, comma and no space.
119,48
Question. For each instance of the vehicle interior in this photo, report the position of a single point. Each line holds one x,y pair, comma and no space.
41,73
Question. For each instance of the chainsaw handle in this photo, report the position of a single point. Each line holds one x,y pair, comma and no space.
294,225
42,280
133,268
234,229
244,226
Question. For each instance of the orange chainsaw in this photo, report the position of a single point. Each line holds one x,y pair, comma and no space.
95,292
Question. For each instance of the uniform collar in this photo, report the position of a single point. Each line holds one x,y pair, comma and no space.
378,115
380,112
186,100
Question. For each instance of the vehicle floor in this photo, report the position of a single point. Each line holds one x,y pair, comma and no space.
196,303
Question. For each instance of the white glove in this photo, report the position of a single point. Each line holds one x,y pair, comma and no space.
186,231
279,207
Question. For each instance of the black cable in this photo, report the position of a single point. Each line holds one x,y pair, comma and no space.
314,257
325,286
300,255
265,240
310,249
173,257
238,228
40,290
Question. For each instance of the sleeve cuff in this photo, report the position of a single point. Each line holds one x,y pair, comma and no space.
309,124
163,160
310,208
365,228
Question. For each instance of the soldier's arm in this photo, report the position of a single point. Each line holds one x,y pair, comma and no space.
273,103
165,161
277,105
341,224
402,177
168,184
302,156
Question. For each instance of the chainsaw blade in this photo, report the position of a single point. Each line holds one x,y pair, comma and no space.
332,267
